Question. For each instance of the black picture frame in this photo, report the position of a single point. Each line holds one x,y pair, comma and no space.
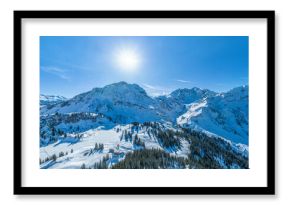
268,190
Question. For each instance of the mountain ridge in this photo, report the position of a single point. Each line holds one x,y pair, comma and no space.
224,114
51,99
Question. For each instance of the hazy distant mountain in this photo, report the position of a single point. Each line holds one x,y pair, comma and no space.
51,99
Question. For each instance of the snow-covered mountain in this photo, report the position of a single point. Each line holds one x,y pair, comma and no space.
179,124
122,102
225,114
51,99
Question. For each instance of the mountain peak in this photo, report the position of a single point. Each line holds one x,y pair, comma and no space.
187,95
123,87
121,83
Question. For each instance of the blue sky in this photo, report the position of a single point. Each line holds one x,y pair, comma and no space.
70,65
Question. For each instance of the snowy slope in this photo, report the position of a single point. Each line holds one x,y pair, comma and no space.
225,115
194,110
72,152
56,124
81,151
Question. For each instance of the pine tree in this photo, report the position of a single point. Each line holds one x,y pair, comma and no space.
61,154
54,157
96,146
53,131
101,147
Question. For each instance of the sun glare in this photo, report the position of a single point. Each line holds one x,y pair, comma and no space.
128,60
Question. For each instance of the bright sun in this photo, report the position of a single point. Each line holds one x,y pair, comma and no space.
128,60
